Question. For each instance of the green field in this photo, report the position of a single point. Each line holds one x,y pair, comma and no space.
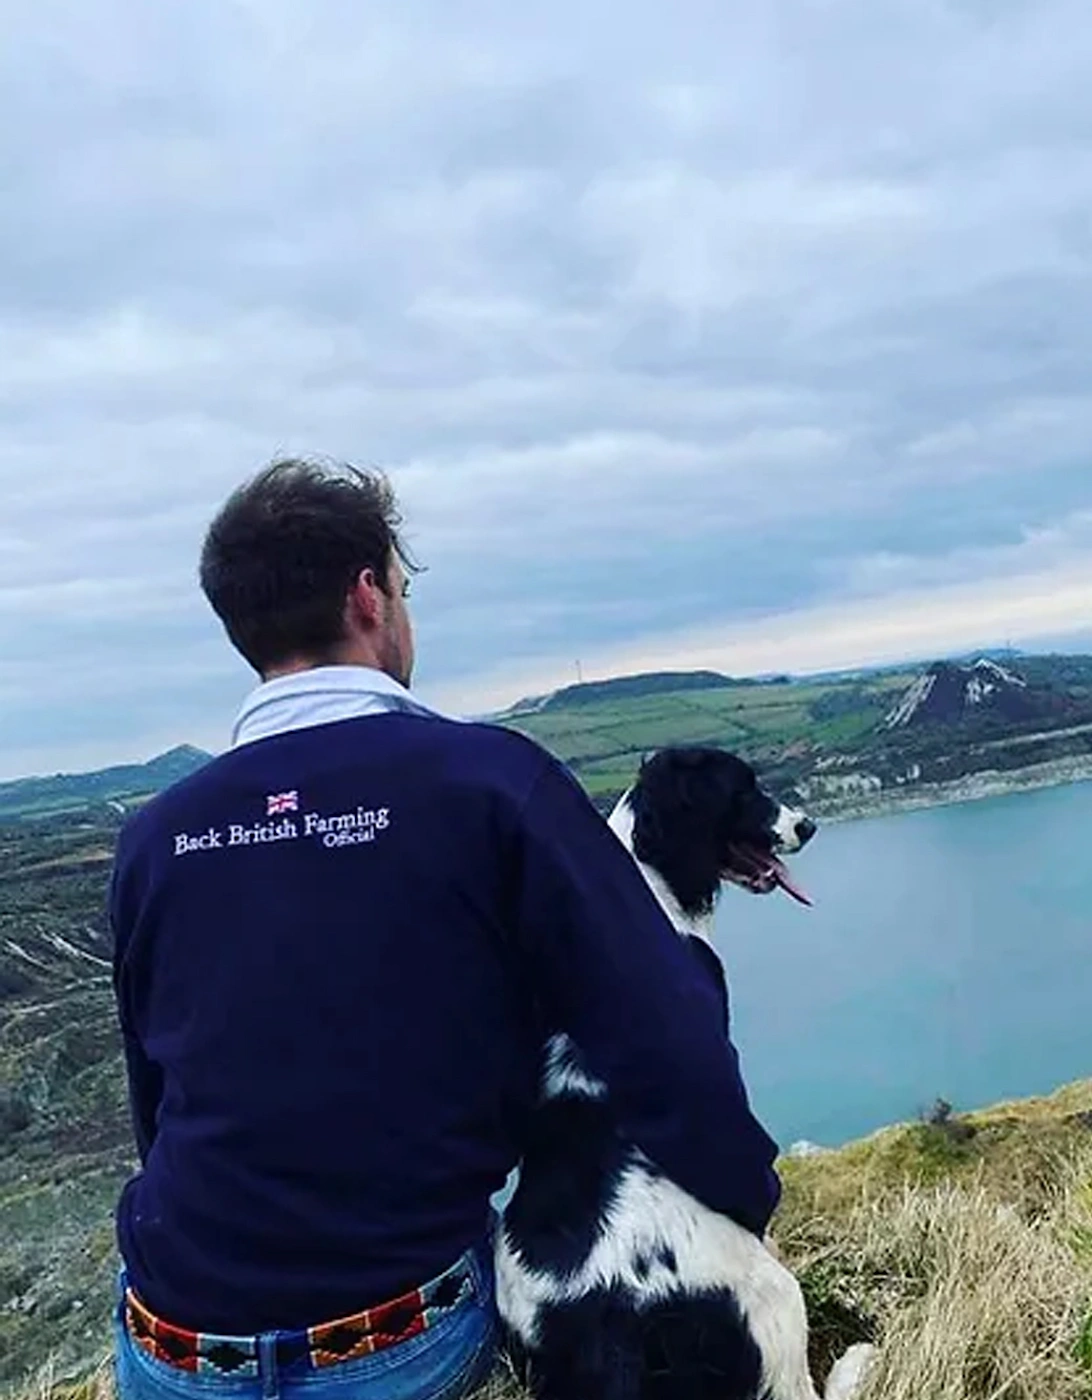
811,734
603,739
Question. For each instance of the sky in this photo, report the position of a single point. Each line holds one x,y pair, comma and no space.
749,336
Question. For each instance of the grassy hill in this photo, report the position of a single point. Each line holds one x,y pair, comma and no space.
602,730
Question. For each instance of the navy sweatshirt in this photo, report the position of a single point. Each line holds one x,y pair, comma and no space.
337,953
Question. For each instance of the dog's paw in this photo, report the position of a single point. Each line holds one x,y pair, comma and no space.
849,1372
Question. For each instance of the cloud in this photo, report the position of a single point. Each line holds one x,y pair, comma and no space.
664,329
889,608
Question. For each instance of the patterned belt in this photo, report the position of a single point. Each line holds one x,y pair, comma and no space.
328,1344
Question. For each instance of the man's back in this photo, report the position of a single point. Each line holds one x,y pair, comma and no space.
337,952
331,1044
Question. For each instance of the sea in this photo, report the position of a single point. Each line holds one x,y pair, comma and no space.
948,955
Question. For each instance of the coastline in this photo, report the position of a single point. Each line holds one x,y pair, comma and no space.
973,788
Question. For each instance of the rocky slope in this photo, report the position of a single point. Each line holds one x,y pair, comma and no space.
946,693
64,1140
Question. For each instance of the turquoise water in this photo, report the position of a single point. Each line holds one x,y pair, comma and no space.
949,953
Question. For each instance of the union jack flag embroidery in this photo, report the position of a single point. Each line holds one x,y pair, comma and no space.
279,802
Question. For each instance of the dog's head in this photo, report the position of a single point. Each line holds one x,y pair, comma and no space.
700,817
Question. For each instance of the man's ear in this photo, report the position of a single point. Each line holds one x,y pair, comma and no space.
366,602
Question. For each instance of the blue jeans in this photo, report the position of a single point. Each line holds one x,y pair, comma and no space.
447,1362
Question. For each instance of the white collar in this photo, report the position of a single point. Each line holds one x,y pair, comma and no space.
321,695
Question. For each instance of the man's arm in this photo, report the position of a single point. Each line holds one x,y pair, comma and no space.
145,1078
614,974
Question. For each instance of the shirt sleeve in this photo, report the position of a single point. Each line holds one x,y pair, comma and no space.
648,1019
144,1077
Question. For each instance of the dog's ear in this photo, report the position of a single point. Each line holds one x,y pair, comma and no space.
678,801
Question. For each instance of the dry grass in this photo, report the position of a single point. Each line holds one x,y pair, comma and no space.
972,1299
967,1255
502,1387
96,1385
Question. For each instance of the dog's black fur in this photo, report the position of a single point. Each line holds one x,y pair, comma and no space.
643,1329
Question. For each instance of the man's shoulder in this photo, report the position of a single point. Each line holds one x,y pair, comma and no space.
479,747
498,741
489,755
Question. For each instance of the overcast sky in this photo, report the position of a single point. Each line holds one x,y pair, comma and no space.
755,336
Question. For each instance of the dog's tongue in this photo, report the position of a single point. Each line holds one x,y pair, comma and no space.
762,872
788,884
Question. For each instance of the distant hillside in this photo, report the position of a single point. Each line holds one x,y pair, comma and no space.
846,744
624,688
74,792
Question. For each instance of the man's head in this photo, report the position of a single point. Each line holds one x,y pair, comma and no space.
305,567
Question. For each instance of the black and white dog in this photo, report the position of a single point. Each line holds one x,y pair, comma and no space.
669,1301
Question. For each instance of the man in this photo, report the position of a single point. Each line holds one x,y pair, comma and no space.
339,949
